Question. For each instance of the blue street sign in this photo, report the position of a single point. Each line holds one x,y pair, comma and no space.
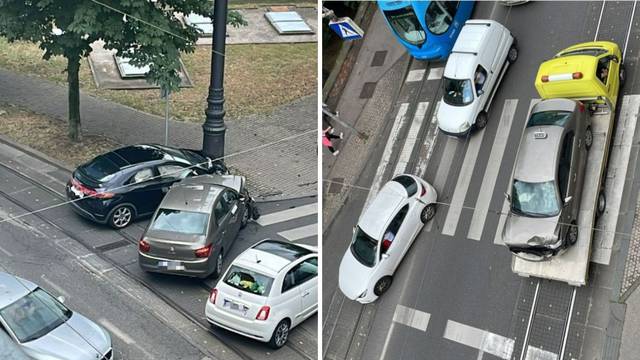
346,28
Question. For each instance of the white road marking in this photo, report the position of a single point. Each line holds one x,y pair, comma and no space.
568,325
6,252
491,173
485,341
288,214
626,40
443,170
464,179
435,73
595,37
55,287
117,332
616,177
533,309
412,137
534,353
415,75
386,154
386,342
300,232
429,143
411,317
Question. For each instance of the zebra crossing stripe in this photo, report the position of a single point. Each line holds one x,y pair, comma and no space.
288,214
300,232
412,137
485,341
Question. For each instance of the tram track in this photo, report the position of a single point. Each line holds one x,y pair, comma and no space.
203,324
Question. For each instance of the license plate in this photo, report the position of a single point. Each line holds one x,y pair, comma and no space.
77,192
171,265
241,308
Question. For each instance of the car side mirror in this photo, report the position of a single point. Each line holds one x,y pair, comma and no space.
234,209
354,230
567,200
613,58
61,299
480,92
385,256
507,196
242,198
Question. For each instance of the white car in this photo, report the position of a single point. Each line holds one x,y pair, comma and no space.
267,290
383,235
479,59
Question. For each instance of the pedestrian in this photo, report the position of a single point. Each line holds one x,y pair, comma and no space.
327,135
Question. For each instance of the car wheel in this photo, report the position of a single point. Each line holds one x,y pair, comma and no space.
428,213
602,203
219,264
512,55
382,285
280,335
588,137
121,217
481,120
245,217
572,234
622,75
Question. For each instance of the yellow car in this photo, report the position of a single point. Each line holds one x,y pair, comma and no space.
590,72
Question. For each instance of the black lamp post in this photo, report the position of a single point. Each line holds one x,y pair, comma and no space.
214,128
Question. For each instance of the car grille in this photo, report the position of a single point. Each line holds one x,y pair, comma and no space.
534,250
108,355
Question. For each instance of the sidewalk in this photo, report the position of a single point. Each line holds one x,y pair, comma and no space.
366,99
286,169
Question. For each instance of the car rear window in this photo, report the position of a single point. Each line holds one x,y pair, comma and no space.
591,51
408,183
179,221
101,168
141,153
248,280
285,250
557,118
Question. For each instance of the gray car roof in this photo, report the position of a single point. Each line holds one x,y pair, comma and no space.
192,197
235,182
554,105
13,288
538,157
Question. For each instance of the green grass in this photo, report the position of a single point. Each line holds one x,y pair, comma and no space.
258,78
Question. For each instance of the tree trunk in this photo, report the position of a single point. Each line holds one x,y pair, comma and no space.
73,69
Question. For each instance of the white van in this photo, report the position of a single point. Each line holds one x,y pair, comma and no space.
479,59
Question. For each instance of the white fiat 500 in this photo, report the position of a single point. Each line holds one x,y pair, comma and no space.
383,235
267,290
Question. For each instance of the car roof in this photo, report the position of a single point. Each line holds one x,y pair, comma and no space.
198,197
13,288
235,182
472,36
460,66
538,155
378,214
271,256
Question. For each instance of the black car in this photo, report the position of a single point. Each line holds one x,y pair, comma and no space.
117,187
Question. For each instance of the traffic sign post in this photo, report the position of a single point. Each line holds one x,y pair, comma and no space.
346,28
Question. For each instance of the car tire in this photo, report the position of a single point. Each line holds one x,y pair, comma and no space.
622,75
572,234
512,55
588,138
428,213
280,335
121,216
219,264
245,217
481,120
601,205
382,285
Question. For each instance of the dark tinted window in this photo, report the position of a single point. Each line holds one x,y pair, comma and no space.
300,274
440,15
394,226
557,118
364,248
408,183
284,250
220,210
591,52
564,165
138,154
101,169
457,92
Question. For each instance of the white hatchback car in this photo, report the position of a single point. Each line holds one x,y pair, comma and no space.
383,235
267,290
479,59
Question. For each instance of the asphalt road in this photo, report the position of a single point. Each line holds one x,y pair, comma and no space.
455,276
31,183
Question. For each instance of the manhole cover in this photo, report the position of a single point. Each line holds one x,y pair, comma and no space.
336,185
367,90
378,58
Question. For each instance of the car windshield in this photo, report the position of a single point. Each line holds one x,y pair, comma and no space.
557,118
588,51
179,221
248,280
406,25
364,247
34,315
535,199
457,92
440,16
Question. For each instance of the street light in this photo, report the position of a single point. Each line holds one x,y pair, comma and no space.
213,127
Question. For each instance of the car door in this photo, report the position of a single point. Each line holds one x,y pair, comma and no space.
144,190
171,173
230,197
222,216
307,276
391,256
290,299
567,176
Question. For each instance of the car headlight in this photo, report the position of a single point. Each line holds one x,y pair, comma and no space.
364,293
464,127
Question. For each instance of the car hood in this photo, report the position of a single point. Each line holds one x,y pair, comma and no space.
353,277
455,119
523,231
77,339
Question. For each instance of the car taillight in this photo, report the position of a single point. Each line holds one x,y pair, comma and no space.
213,296
144,246
204,251
544,78
577,75
263,313
581,106
91,192
424,190
104,195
